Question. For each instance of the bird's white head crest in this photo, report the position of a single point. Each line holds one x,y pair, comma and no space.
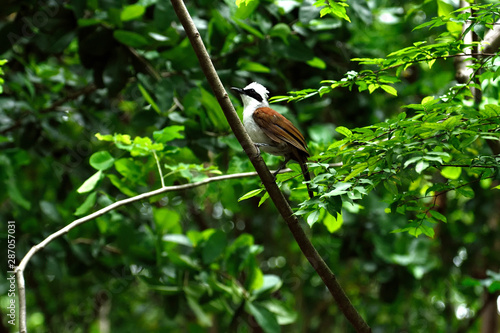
259,89
254,96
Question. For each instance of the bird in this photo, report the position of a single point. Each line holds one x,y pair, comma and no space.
270,131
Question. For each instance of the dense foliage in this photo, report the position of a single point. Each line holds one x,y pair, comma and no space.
104,100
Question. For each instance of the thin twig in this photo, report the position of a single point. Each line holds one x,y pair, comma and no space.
159,169
22,265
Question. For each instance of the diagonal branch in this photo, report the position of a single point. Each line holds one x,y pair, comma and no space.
275,194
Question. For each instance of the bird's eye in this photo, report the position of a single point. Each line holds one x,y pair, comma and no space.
252,93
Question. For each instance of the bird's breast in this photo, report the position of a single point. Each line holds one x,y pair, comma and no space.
259,137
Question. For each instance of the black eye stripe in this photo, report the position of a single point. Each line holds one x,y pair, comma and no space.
252,93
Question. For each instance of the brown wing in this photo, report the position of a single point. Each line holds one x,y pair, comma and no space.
279,129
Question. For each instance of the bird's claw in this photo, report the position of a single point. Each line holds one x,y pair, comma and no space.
258,149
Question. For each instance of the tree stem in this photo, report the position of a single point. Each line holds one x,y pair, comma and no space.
267,179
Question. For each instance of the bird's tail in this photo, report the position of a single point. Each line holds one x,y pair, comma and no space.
307,176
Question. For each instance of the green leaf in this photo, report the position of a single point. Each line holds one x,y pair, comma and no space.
180,239
271,283
438,216
129,169
356,171
451,172
421,166
130,38
412,160
265,318
492,110
202,317
251,66
313,217
415,231
344,131
166,290
388,79
107,137
255,279
86,205
428,100
372,87
144,146
167,221
316,63
102,160
466,191
148,98
391,187
285,315
338,144
282,31
433,126
452,122
427,230
335,8
243,12
333,224
213,110
244,2
468,140
122,138
90,183
251,194
250,29
122,185
169,133
214,247
389,89
15,194
338,189
494,287
132,12
423,25
264,198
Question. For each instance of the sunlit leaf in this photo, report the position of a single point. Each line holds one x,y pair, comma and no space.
333,223
132,12
343,130
91,182
389,89
451,172
251,194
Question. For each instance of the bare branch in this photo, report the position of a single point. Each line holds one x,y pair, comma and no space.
22,265
159,169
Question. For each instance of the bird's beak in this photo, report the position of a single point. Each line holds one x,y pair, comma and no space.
238,90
